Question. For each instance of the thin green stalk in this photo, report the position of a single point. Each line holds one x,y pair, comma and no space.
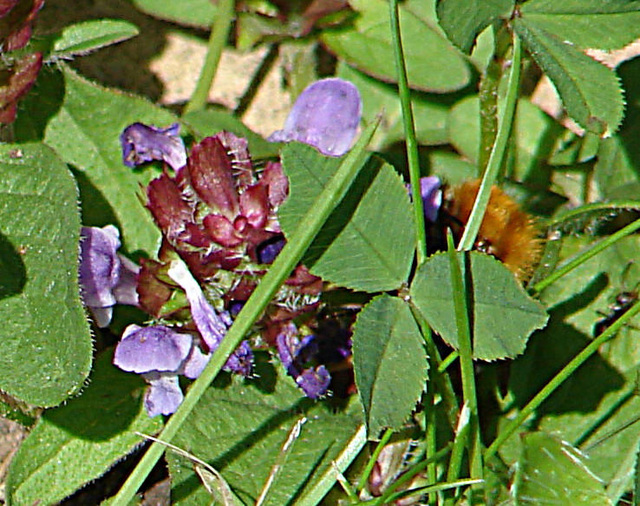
449,359
340,464
488,97
559,378
374,457
497,153
466,362
443,381
264,292
459,443
432,489
586,255
431,440
410,133
408,476
220,29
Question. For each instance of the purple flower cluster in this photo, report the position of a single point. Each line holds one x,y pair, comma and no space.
220,229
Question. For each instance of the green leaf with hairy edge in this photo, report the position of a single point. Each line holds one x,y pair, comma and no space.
503,314
596,24
82,38
389,362
463,20
212,120
78,442
595,103
45,346
378,98
198,13
433,64
368,241
240,427
551,471
84,127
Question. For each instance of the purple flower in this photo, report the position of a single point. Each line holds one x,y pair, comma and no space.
159,354
211,324
144,143
326,115
431,196
106,278
295,354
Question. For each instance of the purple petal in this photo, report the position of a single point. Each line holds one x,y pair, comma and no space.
195,363
314,382
211,325
99,265
326,115
431,196
144,143
125,291
101,315
269,250
164,395
156,348
241,360
286,343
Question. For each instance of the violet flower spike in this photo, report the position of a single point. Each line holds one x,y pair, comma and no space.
326,115
143,143
106,278
212,326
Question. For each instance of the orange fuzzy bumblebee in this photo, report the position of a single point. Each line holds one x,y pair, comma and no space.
507,232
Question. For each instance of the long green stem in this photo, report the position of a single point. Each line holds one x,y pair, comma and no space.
264,292
559,378
466,363
217,40
586,255
410,133
497,153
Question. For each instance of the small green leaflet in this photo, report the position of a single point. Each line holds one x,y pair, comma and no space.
389,361
503,315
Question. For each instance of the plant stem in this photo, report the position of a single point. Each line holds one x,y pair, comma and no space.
497,153
466,365
217,40
374,457
410,133
559,378
280,269
586,255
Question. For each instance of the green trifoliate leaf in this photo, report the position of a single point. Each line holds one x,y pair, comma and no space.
551,471
368,241
596,103
433,64
45,343
389,361
241,429
596,24
463,20
503,315
82,38
78,442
